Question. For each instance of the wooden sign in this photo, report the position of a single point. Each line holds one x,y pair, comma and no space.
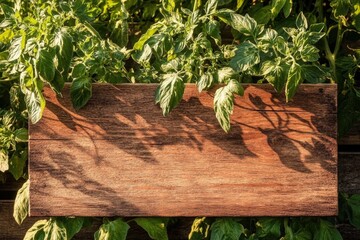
118,156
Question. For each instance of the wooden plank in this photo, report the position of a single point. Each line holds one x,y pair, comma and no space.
119,156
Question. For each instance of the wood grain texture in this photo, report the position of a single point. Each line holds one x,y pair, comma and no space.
119,156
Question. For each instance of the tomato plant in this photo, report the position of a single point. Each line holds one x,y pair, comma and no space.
173,42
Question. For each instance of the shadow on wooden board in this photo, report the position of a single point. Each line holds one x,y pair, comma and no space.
119,155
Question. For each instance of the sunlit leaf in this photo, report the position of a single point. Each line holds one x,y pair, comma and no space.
21,205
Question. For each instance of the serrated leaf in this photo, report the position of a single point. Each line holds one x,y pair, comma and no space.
155,227
244,24
17,164
80,91
226,228
36,232
21,205
353,203
276,6
205,82
326,231
199,229
309,53
269,227
169,93
246,56
293,82
116,229
340,7
287,8
224,102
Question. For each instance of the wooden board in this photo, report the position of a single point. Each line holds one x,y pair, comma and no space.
119,156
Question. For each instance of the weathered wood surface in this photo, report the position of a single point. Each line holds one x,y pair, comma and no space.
119,156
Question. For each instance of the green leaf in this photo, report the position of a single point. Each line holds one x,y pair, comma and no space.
116,229
15,49
326,231
78,71
224,102
314,73
239,4
170,92
144,55
263,15
21,135
64,54
80,91
269,227
45,65
293,82
72,225
353,203
244,24
246,56
21,205
155,227
224,74
35,101
205,82
169,5
226,228
309,53
36,232
4,160
340,7
288,7
212,28
17,164
210,6
301,21
55,230
276,6
119,33
199,229
276,73
149,33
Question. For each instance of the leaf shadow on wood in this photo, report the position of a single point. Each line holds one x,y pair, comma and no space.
286,139
71,173
139,132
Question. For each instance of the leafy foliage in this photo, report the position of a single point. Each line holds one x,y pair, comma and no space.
175,42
